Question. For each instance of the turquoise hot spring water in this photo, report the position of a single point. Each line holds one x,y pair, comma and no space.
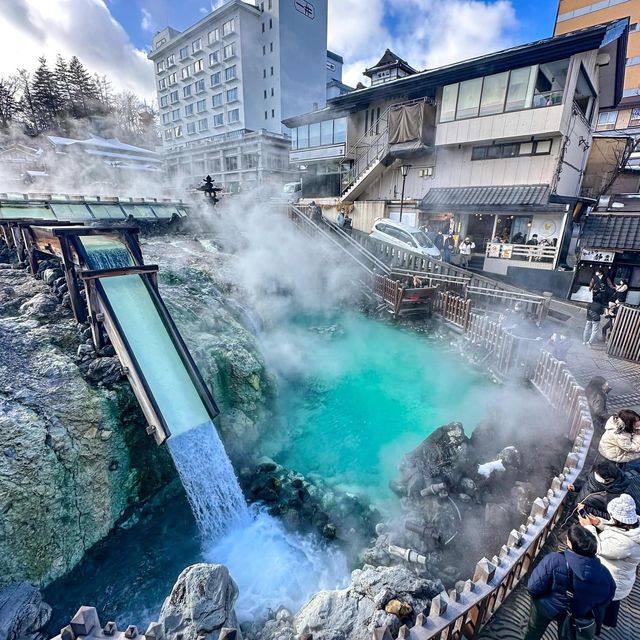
355,394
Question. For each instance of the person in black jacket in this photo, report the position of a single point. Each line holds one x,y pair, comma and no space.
577,569
605,482
594,311
596,392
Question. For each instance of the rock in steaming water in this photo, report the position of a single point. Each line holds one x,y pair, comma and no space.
23,614
201,603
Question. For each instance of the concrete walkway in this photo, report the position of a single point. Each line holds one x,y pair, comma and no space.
624,377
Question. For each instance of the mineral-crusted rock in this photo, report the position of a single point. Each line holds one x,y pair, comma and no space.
201,603
63,485
23,614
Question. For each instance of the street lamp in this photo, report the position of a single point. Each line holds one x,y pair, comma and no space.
404,169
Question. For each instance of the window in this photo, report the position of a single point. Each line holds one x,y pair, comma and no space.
191,127
173,78
634,121
303,136
198,66
199,86
186,72
188,110
271,47
526,148
216,100
263,27
250,161
271,70
584,97
229,51
160,66
184,53
479,153
272,92
521,85
175,114
265,94
231,163
177,131
232,95
510,150
216,78
162,84
607,119
550,83
633,61
213,36
270,23
270,5
165,118
494,152
326,132
264,49
201,106
233,115
264,73
228,27
494,91
171,60
174,96
186,91
294,138
215,165
164,101
543,147
203,125
230,73
168,134
449,98
266,115
214,58
196,45
339,130
218,120
469,98
273,113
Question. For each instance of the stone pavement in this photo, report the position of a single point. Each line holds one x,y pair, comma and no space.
624,377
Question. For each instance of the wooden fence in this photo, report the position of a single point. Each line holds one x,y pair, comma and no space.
453,309
624,341
460,615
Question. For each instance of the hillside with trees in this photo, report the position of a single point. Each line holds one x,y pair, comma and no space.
68,100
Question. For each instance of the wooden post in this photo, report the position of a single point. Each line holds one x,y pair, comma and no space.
71,277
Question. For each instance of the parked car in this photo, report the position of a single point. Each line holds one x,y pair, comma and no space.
405,236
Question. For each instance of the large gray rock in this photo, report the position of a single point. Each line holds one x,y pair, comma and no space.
353,613
23,614
73,457
201,603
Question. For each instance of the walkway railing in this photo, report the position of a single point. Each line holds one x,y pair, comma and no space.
522,252
624,341
462,614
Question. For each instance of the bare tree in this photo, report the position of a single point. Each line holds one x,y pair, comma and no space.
9,87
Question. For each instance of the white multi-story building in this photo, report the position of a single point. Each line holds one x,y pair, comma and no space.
226,83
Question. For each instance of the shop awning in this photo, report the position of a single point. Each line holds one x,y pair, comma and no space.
500,199
613,232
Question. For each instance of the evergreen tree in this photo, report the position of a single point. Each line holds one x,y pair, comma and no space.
63,86
84,93
45,97
26,105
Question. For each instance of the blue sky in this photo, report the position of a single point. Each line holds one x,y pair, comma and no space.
112,36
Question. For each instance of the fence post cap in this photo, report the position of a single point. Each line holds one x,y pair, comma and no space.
484,572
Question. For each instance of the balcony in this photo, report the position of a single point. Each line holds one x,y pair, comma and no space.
522,255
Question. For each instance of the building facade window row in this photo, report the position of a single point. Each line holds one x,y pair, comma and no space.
200,125
319,134
511,150
525,88
591,8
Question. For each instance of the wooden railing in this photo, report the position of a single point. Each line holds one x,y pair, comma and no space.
522,252
462,614
624,341
453,309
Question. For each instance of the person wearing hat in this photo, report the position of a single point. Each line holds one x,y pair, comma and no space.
618,548
465,249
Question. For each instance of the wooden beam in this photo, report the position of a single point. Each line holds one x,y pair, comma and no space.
77,304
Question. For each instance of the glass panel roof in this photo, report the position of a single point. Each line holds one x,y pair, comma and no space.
66,211
17,211
138,210
107,211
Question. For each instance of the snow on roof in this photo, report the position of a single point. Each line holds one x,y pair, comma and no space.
97,141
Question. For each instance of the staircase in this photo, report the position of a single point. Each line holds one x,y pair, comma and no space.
369,153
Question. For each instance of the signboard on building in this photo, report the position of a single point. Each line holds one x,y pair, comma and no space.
594,255
493,251
507,250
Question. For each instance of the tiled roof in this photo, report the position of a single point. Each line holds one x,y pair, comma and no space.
611,232
516,197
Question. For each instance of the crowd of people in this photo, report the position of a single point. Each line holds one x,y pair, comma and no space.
581,588
606,299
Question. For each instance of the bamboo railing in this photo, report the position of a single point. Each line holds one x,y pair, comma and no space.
624,341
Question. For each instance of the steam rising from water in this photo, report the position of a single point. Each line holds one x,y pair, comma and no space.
273,567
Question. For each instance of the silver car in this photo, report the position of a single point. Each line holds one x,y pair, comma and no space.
404,236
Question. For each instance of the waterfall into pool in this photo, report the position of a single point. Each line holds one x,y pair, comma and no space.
197,451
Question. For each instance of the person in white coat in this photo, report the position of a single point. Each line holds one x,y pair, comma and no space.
620,441
465,249
618,548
